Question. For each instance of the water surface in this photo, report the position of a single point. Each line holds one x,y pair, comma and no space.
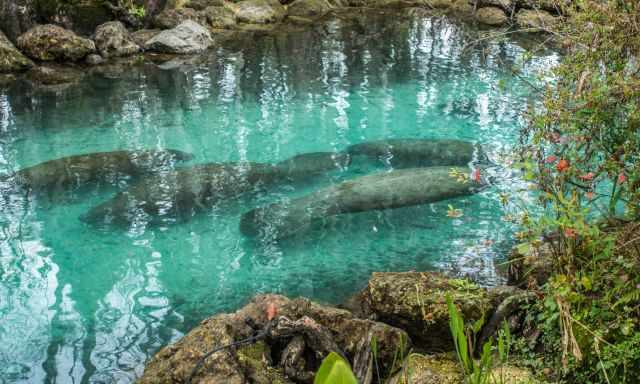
80,304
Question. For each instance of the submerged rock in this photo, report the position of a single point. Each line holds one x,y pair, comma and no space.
114,40
416,302
94,59
257,11
309,9
301,333
50,42
11,60
188,37
493,16
54,75
383,190
536,20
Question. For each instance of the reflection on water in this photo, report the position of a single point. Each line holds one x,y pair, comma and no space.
79,303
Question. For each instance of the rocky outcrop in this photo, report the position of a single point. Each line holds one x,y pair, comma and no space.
114,40
188,37
220,17
493,16
17,17
536,20
298,334
11,60
308,9
141,36
171,18
416,302
50,42
257,11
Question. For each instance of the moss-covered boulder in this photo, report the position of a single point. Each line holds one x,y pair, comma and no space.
416,302
536,20
50,42
114,40
309,9
220,17
445,369
257,11
200,5
493,16
11,60
264,362
171,18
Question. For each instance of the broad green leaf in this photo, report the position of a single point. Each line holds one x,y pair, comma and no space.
334,370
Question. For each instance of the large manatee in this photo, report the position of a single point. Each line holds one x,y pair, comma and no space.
412,153
383,190
68,173
184,192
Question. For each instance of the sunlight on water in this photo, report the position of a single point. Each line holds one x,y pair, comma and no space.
80,302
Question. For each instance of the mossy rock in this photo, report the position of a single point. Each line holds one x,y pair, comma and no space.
50,42
11,60
416,302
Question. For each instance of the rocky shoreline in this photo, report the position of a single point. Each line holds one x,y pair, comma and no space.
45,53
396,330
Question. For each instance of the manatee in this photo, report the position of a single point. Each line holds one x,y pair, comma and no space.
68,173
383,190
185,192
412,153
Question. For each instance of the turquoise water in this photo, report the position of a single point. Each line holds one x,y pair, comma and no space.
80,304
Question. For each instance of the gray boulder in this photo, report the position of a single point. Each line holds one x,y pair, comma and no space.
50,42
11,60
114,40
258,11
171,18
493,16
188,37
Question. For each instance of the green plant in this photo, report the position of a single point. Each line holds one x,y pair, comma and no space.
334,370
475,372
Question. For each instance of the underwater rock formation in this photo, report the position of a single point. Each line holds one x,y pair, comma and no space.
299,335
68,173
185,192
410,153
383,190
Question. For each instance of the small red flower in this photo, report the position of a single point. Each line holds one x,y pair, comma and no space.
476,176
588,176
622,178
562,165
589,195
550,159
570,233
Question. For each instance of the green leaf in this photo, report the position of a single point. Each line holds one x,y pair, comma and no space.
334,370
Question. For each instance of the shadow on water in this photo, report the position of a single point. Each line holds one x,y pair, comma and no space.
78,304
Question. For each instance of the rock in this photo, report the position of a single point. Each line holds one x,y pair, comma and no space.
200,5
262,362
310,9
530,267
416,302
94,59
493,16
536,20
445,369
257,11
11,60
50,42
553,6
114,40
220,17
171,18
17,17
54,75
506,5
462,8
188,37
141,36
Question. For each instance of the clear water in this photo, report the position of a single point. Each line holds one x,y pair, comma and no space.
84,305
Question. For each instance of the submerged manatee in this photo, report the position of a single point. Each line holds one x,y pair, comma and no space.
184,192
384,190
412,153
68,173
